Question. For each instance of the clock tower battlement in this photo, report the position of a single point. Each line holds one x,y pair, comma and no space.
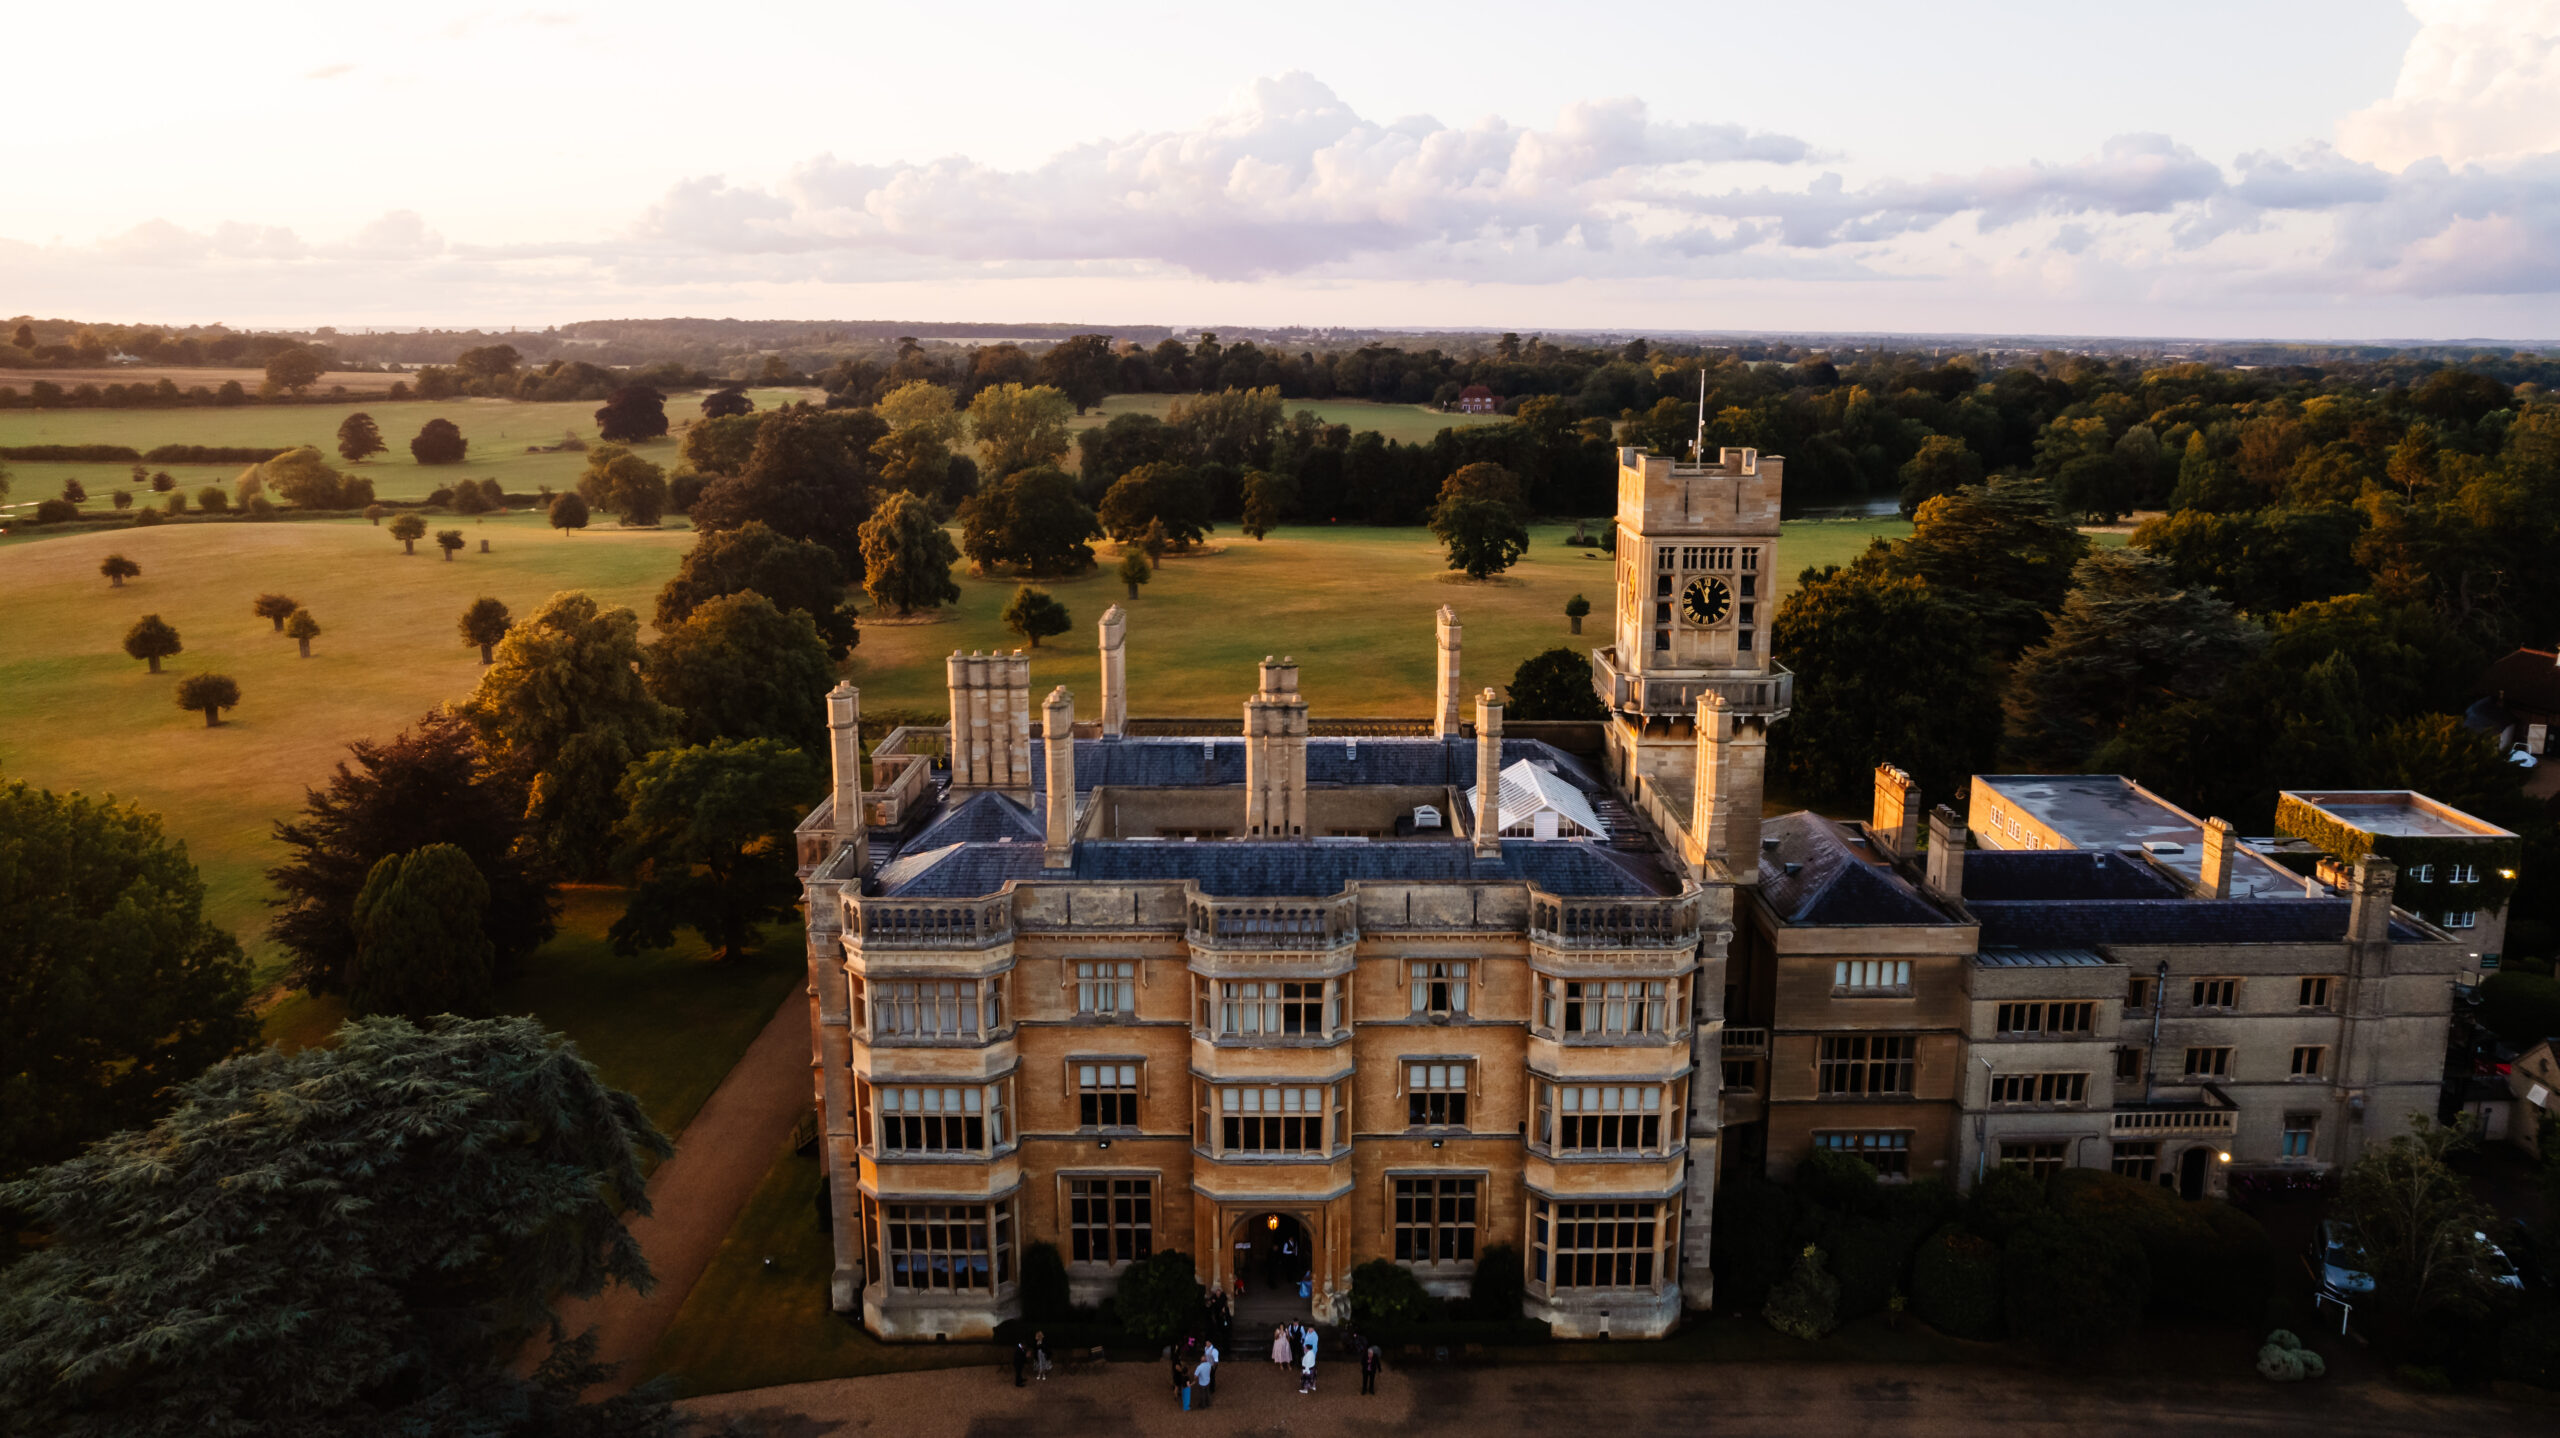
1697,563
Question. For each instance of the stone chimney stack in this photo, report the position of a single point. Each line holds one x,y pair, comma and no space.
1488,832
990,722
1450,633
1895,828
1945,875
1275,755
2214,881
2369,899
1115,672
1058,732
1711,796
844,746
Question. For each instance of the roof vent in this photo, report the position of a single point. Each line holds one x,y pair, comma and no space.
1208,751
1351,751
1794,869
2162,848
1768,846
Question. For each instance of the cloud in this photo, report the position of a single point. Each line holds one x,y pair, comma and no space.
328,72
2476,87
1291,180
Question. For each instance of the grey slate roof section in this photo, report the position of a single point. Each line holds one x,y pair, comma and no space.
2039,959
2062,874
1187,763
1245,868
981,818
1833,883
2047,924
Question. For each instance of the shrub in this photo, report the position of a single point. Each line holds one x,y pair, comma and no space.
1044,1285
209,694
1807,1305
1955,1283
261,507
2283,1359
1868,1260
1500,1283
439,441
1159,1298
2001,1200
2074,1288
56,511
214,499
1753,1240
1385,1293
211,454
2207,1259
144,519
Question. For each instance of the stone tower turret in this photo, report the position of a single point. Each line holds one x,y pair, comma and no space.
1275,755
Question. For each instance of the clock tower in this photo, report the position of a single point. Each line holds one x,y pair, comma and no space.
1688,682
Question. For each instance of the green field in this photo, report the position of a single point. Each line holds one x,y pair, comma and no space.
498,429
1411,423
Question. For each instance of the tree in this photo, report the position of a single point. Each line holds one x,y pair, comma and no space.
1032,614
117,985
74,492
740,668
60,511
359,438
351,1238
727,402
1997,552
794,574
1167,495
1158,1296
292,368
2128,637
448,540
211,693
1031,522
1230,426
1806,1305
634,412
430,785
1268,498
118,569
422,948
1082,368
923,426
408,529
275,608
151,641
1942,465
706,840
1575,610
1135,570
373,513
622,483
302,628
565,703
1554,685
808,477
213,499
907,557
1484,537
485,623
2416,1226
162,482
1020,427
24,338
439,441
721,446
1887,673
568,512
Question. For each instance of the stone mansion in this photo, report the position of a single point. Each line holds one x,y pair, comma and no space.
1290,999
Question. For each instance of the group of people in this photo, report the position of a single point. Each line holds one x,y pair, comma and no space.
1031,1358
1195,1371
1293,1346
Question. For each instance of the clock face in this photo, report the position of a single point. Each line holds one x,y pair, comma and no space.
1706,601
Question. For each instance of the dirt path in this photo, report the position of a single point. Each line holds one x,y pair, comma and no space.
1815,1400
696,1195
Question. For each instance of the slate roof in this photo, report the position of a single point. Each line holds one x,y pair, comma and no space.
2039,959
2050,924
1183,763
1834,883
2062,874
1246,869
981,818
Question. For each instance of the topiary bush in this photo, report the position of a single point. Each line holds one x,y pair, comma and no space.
2207,1259
2002,1199
1955,1283
1500,1283
1159,1296
1385,1294
1045,1296
2283,1359
1807,1305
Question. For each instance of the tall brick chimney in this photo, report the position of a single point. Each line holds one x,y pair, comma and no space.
1895,827
1945,873
1488,833
844,748
2214,880
1449,633
1058,733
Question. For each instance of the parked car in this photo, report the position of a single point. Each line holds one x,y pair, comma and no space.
2334,1263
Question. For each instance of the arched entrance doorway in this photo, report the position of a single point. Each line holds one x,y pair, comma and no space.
2191,1172
1273,1252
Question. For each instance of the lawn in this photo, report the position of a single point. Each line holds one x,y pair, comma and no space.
499,431
75,713
759,1314
1411,423
667,1026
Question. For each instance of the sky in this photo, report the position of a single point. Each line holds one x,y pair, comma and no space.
2343,169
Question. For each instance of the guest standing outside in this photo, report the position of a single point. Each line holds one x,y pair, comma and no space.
1370,1362
1307,1370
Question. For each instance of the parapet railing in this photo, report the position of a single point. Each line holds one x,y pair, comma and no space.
1664,923
1771,693
2177,1121
1739,1043
928,923
1273,923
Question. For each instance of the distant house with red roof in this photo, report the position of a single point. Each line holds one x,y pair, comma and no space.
1476,399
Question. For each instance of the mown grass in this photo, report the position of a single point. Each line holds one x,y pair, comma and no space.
75,713
1411,423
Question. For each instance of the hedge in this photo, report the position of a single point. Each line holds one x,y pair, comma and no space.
73,453
1955,1284
212,454
2207,1260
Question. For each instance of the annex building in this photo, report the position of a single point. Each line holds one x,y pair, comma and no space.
1311,993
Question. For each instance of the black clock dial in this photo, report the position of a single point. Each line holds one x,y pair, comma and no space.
1706,601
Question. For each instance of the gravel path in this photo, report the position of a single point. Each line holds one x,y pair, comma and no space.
697,1194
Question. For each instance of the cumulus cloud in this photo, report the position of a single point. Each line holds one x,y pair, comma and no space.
2476,87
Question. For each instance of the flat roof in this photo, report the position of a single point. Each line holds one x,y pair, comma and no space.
2401,812
2040,959
2110,811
